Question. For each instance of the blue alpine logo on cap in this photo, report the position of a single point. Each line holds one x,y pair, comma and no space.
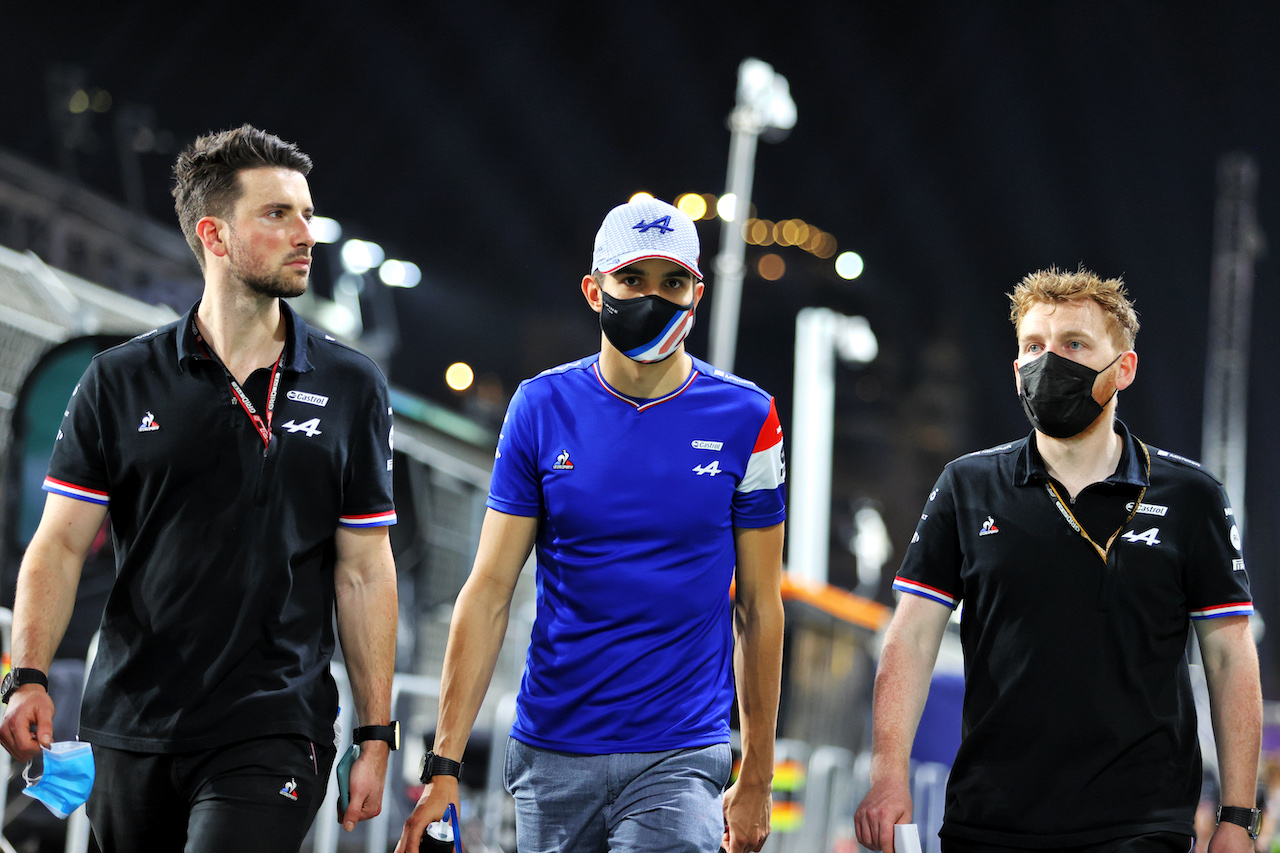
663,224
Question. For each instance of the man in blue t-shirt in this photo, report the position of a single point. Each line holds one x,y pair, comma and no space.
649,482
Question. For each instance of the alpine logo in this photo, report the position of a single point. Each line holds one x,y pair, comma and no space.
304,397
148,423
563,462
699,444
309,428
988,527
290,790
711,468
1146,537
663,224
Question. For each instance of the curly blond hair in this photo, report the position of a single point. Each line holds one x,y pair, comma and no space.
1055,285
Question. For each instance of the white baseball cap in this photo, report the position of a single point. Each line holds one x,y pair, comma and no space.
646,228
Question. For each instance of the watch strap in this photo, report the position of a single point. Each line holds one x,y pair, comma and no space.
1240,816
438,765
390,734
19,676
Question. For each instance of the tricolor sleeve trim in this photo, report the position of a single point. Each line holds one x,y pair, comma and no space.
374,519
1236,608
924,591
80,493
765,469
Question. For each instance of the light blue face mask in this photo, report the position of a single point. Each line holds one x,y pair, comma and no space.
67,779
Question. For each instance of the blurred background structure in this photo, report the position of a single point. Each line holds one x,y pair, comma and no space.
466,153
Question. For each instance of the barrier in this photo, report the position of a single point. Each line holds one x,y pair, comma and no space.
825,785
378,831
6,764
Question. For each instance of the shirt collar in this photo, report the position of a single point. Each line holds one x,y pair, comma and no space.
295,346
1131,471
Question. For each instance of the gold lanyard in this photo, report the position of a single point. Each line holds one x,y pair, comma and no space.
1079,528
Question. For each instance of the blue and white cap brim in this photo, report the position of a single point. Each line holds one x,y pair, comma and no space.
647,228
621,262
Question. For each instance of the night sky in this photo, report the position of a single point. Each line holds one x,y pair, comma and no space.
955,146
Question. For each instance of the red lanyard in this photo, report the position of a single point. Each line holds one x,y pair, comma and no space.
264,429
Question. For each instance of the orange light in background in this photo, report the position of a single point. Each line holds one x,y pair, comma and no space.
771,267
826,246
780,234
692,205
639,196
459,376
757,232
795,232
766,238
814,240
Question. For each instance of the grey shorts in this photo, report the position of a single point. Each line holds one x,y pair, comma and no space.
632,802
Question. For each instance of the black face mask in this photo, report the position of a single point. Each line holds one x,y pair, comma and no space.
1057,395
647,328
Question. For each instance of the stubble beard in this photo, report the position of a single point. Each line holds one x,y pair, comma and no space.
284,283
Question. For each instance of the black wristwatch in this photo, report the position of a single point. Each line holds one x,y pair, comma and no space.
1250,819
438,765
19,676
389,733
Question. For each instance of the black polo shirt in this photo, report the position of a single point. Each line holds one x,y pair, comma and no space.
1078,722
219,625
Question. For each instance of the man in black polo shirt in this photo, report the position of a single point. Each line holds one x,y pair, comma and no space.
1083,556
246,463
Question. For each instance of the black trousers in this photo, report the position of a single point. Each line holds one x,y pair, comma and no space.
254,796
1156,842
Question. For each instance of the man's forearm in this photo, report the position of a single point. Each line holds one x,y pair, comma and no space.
1235,703
43,602
367,615
1237,729
476,633
758,672
902,684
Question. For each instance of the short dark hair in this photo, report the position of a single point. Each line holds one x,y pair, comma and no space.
205,181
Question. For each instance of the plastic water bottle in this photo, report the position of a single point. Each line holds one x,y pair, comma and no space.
438,836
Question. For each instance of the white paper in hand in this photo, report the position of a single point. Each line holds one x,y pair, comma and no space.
906,838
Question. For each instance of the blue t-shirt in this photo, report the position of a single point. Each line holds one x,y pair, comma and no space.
637,501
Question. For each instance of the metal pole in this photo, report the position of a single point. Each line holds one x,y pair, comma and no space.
812,433
730,266
1237,241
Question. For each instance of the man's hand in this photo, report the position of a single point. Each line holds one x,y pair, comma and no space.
436,797
1230,838
367,777
747,811
29,708
886,804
